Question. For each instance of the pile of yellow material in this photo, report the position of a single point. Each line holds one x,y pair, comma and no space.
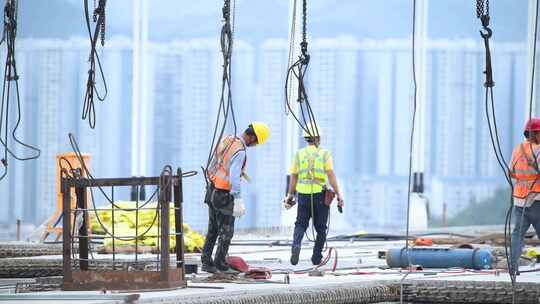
127,225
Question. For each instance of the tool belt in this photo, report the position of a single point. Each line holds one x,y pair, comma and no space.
328,195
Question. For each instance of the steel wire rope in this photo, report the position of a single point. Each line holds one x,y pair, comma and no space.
482,13
10,74
89,110
226,106
298,70
508,220
411,147
290,57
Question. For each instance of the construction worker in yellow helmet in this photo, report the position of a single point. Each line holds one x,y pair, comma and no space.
223,195
310,171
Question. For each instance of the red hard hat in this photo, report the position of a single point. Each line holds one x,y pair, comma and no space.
532,124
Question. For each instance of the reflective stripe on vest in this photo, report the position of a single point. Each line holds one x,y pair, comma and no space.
219,169
524,169
311,173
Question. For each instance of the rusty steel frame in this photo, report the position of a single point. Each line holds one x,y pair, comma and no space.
81,278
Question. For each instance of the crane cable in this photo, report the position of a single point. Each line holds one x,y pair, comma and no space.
89,110
226,106
411,147
305,116
11,76
482,12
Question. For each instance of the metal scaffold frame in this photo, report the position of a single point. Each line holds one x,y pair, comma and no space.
80,272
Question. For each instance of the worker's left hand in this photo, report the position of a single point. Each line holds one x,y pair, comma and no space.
239,208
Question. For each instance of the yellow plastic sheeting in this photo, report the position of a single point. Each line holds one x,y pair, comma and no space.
128,224
533,252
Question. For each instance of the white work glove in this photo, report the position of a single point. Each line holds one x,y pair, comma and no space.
239,208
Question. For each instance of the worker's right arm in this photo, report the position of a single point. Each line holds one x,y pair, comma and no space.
333,182
293,171
288,202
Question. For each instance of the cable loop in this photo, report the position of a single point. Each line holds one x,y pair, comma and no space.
11,78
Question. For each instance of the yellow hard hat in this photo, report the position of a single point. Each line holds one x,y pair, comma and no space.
262,131
314,130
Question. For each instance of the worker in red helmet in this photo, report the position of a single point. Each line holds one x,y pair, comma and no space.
526,174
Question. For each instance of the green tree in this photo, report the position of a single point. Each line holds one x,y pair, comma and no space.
491,211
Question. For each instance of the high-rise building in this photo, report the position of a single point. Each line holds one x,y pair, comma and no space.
52,83
459,140
271,169
332,89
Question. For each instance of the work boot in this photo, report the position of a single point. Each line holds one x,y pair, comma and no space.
225,268
295,255
209,267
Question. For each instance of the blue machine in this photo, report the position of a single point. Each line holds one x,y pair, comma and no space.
440,258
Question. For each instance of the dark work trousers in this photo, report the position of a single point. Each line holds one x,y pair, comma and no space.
320,218
523,219
222,225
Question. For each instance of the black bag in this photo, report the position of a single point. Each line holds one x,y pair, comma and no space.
222,199
208,195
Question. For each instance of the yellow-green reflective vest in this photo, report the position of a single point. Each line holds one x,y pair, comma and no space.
311,174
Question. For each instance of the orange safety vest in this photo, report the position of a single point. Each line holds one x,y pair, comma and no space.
218,171
524,169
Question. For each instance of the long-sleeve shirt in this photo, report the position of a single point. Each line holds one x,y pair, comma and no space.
237,162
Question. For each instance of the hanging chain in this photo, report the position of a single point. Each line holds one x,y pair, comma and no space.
304,43
479,8
95,11
304,21
226,11
100,10
482,12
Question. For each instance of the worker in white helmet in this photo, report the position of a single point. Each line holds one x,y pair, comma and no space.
312,167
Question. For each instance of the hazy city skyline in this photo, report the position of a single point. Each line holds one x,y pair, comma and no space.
357,87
